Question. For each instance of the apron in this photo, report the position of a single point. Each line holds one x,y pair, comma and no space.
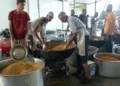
94,28
81,41
35,40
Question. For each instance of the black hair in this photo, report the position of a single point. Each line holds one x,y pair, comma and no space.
110,6
20,1
84,10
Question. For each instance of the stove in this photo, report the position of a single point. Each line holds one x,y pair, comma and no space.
56,68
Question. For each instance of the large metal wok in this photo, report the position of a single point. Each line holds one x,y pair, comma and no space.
56,55
97,41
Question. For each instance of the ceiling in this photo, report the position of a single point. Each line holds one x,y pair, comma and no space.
84,1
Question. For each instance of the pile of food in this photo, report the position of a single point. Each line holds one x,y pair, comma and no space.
58,46
61,47
108,58
20,68
96,38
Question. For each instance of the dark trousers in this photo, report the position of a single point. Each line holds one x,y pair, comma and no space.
109,44
83,59
75,40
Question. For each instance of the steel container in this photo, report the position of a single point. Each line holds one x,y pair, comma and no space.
34,78
108,68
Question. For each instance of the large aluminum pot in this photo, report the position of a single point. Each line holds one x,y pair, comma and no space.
56,55
108,68
34,78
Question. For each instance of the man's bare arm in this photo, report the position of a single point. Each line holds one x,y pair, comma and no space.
41,35
11,30
71,39
36,34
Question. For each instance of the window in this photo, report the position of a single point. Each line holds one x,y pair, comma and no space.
45,7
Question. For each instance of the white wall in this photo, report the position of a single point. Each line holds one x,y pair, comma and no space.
45,6
5,7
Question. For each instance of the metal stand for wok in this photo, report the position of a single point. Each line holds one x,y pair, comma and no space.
56,60
56,69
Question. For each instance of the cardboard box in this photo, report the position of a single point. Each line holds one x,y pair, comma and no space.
92,66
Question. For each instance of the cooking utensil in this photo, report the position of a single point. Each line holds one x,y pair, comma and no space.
97,41
108,68
44,47
56,55
18,52
33,78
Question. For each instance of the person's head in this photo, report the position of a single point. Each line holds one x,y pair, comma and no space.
50,16
20,4
96,14
72,12
84,12
63,17
109,8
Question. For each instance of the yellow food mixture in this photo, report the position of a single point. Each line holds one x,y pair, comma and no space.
108,58
61,47
20,68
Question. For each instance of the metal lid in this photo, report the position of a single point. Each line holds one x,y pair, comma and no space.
18,52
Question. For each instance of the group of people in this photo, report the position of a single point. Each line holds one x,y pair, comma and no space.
108,29
18,22
84,18
18,25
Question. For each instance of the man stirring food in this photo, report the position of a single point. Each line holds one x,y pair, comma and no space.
18,20
78,30
39,26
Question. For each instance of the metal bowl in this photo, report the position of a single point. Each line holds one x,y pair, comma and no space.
18,52
108,68
92,50
56,55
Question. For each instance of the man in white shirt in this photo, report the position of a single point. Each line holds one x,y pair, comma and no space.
79,30
39,26
93,24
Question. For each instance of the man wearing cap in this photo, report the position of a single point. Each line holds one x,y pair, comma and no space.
72,14
79,30
39,26
109,29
